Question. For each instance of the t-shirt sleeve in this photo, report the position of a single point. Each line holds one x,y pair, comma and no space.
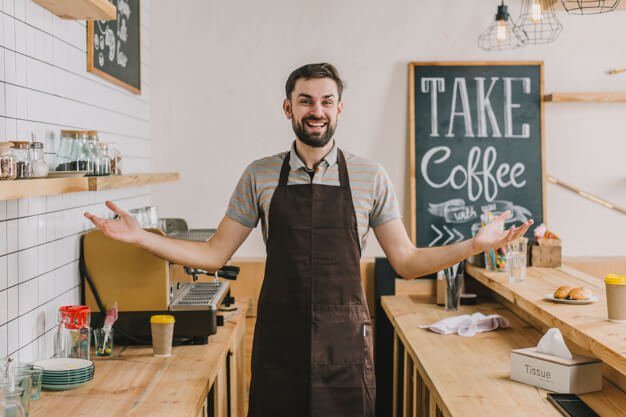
243,204
385,206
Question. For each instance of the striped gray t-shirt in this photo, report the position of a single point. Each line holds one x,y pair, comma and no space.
372,192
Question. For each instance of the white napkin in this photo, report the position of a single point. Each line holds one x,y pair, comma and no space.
467,325
552,343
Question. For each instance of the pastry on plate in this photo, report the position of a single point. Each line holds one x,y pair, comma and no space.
562,292
579,293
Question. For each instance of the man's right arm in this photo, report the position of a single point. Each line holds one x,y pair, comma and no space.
210,255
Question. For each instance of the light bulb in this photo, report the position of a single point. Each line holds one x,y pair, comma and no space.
501,30
536,14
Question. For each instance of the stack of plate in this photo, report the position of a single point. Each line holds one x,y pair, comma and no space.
65,373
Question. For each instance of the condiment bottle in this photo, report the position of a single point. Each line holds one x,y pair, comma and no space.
20,151
37,161
8,165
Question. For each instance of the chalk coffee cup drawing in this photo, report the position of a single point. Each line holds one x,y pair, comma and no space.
162,327
616,297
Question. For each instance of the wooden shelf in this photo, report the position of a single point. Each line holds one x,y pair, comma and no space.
10,190
80,9
132,180
607,97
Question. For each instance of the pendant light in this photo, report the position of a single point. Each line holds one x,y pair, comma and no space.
538,23
502,34
589,6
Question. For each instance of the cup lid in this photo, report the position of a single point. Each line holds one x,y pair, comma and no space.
162,319
615,279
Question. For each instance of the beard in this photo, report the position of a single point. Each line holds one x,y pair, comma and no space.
313,139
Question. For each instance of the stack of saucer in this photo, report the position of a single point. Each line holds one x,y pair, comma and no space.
65,373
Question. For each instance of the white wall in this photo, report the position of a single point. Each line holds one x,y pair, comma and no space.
220,67
44,87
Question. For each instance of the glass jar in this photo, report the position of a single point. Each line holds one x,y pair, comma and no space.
73,153
102,162
37,161
116,159
22,159
8,165
73,336
105,159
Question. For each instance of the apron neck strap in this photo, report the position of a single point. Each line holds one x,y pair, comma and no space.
344,181
284,171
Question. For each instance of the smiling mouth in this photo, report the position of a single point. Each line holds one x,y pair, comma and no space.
315,124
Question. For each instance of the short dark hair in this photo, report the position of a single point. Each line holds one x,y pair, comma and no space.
321,70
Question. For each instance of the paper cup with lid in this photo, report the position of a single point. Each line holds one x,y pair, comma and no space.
162,327
616,297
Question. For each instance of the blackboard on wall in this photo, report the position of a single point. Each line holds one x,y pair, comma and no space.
476,145
114,46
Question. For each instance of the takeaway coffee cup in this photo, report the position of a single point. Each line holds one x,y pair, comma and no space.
616,297
162,327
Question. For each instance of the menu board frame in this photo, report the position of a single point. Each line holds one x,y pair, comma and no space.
447,235
107,76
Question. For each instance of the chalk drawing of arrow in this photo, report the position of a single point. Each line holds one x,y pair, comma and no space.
432,226
450,235
459,234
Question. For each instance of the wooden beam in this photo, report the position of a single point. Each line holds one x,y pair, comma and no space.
602,97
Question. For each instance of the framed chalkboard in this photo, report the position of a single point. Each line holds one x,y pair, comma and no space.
476,145
114,46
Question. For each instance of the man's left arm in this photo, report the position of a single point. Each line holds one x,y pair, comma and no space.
411,262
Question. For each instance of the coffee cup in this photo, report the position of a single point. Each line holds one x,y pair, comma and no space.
616,297
162,327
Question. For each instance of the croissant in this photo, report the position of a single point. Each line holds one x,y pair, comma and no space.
562,292
579,293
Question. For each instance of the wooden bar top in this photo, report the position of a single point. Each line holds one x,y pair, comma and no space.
586,325
469,376
135,383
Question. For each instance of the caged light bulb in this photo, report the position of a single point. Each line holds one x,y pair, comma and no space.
501,31
536,14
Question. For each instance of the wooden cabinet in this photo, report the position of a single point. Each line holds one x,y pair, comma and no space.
229,389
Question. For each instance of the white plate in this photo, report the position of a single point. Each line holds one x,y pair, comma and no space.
66,174
63,364
550,297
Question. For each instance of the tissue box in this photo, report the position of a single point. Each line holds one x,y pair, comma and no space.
547,253
576,376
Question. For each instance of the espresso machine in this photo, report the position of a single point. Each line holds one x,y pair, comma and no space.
143,285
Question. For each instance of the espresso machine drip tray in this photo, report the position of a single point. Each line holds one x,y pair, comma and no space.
188,296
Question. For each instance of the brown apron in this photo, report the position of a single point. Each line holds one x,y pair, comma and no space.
312,354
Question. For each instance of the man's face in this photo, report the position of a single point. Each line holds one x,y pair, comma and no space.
314,108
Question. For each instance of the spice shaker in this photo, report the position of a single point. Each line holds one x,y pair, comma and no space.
8,165
22,159
38,164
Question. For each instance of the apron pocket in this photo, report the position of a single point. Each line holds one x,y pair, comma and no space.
337,335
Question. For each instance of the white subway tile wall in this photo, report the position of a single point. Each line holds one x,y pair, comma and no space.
45,87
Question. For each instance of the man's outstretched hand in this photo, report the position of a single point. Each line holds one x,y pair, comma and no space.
124,228
495,236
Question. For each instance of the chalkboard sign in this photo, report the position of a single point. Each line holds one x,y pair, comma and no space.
113,46
476,146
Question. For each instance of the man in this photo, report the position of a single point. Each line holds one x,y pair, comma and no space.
312,353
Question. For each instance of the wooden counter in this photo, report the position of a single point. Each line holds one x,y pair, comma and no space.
469,376
585,325
135,383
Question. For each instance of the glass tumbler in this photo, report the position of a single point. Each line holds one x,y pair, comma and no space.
103,342
516,260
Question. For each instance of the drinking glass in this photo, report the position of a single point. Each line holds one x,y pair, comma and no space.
516,260
103,342
9,407
36,375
